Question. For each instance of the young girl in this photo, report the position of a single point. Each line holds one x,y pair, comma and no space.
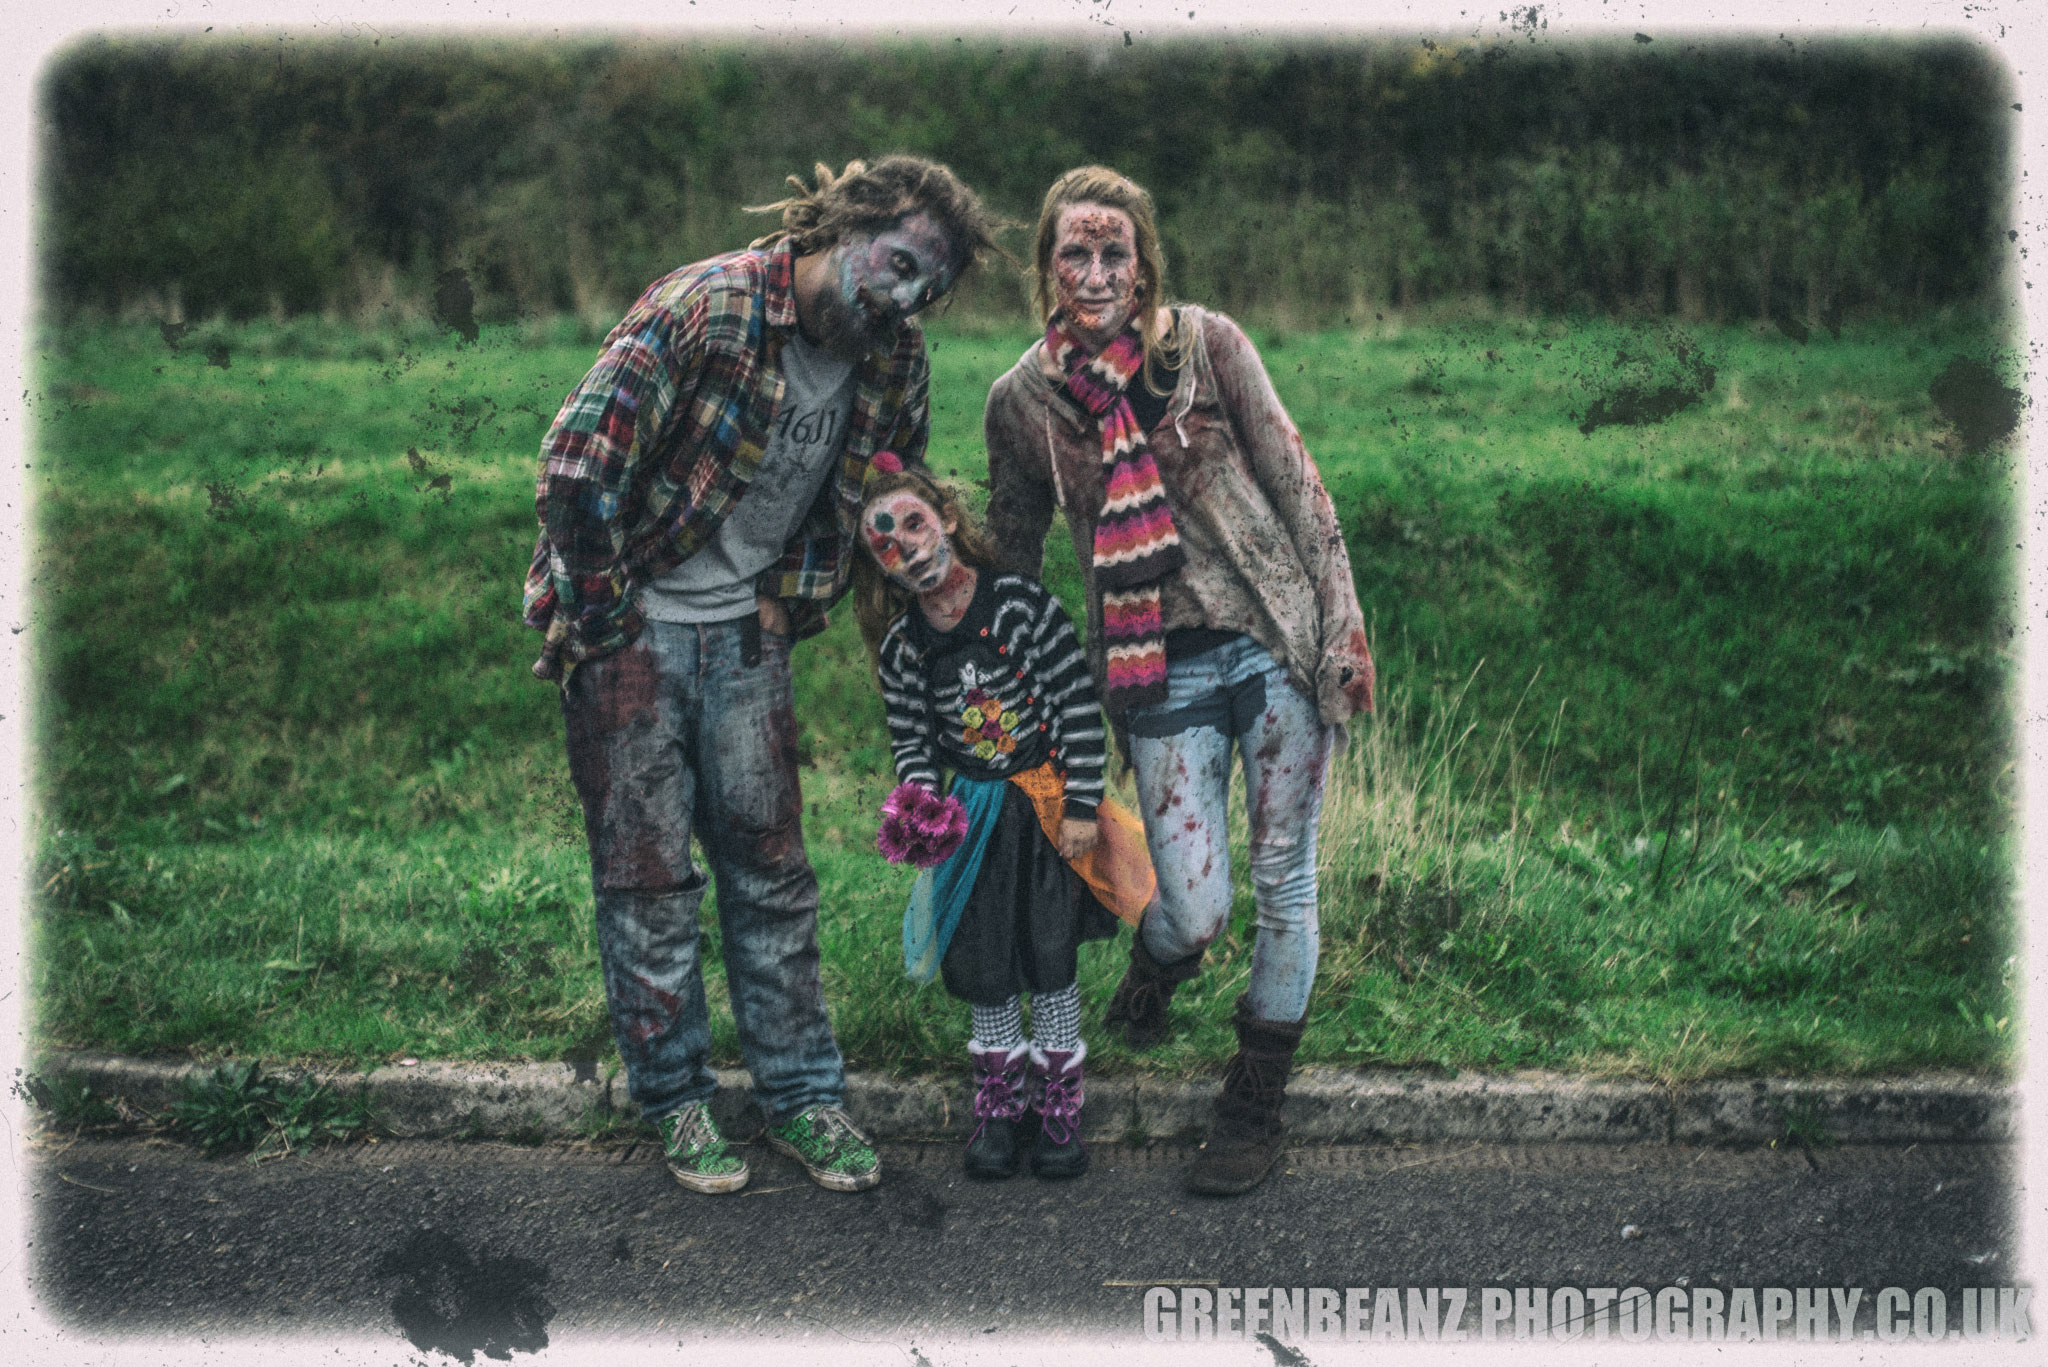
981,673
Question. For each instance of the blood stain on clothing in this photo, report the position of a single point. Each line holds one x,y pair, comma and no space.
627,690
652,1010
646,859
780,841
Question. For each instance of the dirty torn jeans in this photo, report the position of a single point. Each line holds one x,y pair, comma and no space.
1235,693
691,727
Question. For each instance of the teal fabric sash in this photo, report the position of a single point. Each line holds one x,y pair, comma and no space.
940,894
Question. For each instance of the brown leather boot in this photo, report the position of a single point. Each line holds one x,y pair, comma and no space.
1247,1136
1138,1011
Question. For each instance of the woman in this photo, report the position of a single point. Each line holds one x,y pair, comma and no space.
1220,611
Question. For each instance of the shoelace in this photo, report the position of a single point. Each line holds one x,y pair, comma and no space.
1145,998
1252,1089
1061,1107
1263,1076
834,1127
1000,1098
694,1132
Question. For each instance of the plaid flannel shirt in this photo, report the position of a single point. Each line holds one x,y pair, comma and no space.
658,443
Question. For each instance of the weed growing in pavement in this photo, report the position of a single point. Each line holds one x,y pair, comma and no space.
238,1106
66,1098
1806,1124
601,1122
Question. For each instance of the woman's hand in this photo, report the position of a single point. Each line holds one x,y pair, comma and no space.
1077,836
1355,677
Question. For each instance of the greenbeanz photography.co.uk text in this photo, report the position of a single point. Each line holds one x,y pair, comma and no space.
1681,1313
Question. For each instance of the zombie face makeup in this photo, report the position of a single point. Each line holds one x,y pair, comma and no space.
882,278
1095,269
907,537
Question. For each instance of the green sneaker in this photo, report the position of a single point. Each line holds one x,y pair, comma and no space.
697,1153
836,1155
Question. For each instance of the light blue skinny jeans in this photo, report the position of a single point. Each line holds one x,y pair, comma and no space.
1235,693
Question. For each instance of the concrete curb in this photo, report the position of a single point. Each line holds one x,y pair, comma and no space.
544,1101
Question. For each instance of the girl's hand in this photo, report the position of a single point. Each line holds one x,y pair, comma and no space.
1077,836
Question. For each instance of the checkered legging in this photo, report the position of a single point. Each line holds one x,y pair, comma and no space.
1055,1021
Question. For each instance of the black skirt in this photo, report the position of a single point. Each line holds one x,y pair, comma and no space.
1026,917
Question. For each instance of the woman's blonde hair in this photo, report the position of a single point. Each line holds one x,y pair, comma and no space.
877,602
1100,185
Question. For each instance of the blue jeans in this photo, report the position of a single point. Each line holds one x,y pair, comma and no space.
677,732
1235,693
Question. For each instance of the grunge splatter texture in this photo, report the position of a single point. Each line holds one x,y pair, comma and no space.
1975,403
455,303
1651,383
459,1303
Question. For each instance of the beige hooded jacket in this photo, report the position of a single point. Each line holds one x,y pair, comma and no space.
1265,555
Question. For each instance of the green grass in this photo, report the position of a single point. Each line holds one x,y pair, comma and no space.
1694,759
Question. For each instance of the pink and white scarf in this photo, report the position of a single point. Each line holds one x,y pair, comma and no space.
1136,543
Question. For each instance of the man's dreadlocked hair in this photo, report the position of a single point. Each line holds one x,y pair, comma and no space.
870,198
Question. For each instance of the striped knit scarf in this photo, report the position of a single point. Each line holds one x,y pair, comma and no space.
1136,543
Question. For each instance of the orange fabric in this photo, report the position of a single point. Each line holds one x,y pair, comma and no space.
1119,869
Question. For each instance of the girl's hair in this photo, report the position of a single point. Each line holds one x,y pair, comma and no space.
876,601
1100,185
870,197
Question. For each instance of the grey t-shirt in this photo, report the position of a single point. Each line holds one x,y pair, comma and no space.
717,583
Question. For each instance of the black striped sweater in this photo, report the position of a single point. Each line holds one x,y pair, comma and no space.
1002,692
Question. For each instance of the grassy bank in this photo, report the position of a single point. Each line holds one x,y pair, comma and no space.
1694,757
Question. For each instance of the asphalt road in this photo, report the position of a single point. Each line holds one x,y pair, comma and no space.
490,1248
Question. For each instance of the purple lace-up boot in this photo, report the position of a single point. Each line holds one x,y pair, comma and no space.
1056,1096
998,1106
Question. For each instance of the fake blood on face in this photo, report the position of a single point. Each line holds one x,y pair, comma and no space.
911,541
1095,270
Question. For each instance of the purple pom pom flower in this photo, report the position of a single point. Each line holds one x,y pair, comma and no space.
919,827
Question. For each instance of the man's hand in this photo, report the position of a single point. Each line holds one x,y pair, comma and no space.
774,617
1077,836
549,666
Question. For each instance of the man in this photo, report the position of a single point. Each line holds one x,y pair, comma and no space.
697,501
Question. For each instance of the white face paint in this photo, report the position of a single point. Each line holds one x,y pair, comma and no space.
885,277
907,537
